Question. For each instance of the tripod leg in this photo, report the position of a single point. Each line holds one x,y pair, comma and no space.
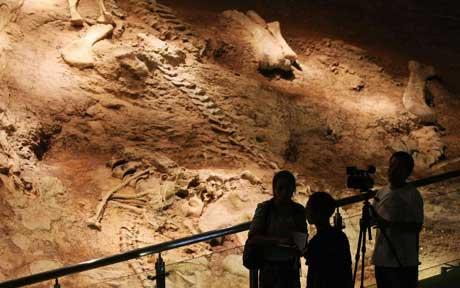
363,258
358,250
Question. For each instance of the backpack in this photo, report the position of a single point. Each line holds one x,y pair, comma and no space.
253,254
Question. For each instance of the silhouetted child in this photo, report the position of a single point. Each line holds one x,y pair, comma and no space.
328,252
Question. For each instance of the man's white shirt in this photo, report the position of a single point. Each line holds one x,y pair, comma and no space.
404,204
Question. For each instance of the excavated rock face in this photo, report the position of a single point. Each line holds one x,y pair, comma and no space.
430,148
152,47
8,11
22,144
16,138
425,145
193,140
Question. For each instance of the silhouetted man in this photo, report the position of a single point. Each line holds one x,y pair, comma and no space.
400,208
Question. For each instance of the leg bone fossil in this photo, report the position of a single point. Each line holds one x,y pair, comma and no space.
76,19
95,221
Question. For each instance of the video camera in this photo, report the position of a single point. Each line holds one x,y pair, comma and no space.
360,179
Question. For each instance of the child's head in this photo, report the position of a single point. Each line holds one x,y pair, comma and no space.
283,186
401,166
320,207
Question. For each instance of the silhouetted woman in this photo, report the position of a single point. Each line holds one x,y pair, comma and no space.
272,228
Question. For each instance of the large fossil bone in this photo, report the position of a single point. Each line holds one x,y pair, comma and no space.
95,221
76,19
79,53
415,96
271,49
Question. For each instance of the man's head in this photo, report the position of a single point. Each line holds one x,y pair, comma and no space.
320,207
401,166
283,186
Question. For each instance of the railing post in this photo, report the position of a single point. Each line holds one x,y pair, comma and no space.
254,278
56,284
161,272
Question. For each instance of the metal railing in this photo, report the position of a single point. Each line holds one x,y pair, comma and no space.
125,256
173,244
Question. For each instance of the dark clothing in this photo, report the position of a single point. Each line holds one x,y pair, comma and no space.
281,264
389,277
329,260
280,274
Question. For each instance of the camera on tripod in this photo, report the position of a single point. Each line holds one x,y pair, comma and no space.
360,179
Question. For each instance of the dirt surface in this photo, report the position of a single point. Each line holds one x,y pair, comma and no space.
208,127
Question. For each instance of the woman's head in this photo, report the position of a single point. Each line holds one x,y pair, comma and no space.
283,186
320,207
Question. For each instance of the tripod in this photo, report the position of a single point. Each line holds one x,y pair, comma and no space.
365,224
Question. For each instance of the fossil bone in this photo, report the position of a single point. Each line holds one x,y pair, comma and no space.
131,207
246,175
272,51
95,221
79,53
445,163
194,207
130,196
414,98
76,19
132,202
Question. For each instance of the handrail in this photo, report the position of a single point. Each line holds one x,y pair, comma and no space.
125,256
173,244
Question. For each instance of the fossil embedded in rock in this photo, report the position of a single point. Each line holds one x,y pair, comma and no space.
76,19
95,221
272,51
79,53
414,98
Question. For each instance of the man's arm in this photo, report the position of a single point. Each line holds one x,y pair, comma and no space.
402,226
391,212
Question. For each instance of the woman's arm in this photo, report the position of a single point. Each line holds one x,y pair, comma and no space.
269,240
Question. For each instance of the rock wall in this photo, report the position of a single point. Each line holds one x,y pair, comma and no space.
8,11
183,100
